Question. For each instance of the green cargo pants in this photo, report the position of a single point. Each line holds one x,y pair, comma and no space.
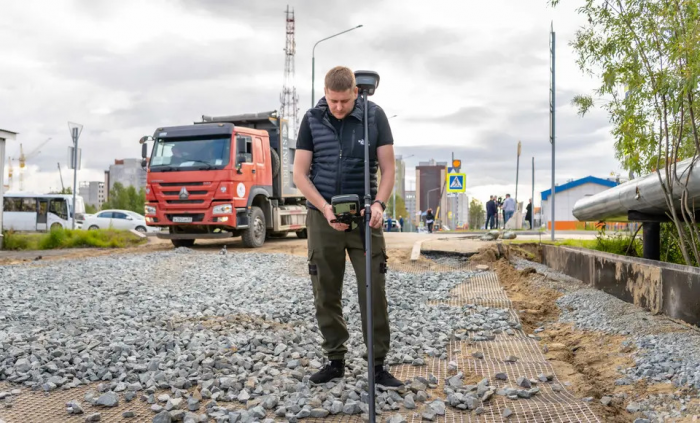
327,267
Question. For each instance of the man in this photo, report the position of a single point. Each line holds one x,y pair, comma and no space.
389,223
430,220
401,223
490,213
528,213
508,209
330,145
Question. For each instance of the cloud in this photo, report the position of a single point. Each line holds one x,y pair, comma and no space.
472,78
463,116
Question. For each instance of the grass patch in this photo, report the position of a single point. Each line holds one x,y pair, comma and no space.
582,243
67,238
615,244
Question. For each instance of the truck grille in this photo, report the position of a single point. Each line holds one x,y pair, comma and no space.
176,193
184,201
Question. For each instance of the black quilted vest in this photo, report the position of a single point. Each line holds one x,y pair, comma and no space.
337,166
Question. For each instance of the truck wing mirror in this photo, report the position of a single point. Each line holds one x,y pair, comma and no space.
144,150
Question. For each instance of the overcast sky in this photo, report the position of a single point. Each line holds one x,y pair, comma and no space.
465,77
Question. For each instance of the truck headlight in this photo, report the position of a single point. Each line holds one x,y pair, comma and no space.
223,209
150,210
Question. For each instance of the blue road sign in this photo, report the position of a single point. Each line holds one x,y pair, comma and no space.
456,182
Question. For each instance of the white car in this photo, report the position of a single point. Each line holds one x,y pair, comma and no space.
117,219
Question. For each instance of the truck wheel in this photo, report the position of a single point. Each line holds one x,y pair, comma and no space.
302,234
254,236
182,242
276,163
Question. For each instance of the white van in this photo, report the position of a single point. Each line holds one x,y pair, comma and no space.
23,211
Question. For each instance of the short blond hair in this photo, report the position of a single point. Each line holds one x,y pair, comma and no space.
339,79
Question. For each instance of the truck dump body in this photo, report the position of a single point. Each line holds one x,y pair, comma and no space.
278,129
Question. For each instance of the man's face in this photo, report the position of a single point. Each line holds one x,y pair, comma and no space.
341,103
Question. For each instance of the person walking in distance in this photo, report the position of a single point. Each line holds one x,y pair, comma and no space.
430,220
329,161
490,213
528,213
401,223
508,209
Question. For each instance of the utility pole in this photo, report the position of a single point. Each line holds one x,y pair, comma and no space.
517,173
75,130
552,113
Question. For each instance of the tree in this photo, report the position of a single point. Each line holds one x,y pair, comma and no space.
400,207
67,190
476,214
125,199
646,55
90,209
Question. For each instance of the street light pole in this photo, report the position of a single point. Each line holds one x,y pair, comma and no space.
434,189
517,173
313,62
75,130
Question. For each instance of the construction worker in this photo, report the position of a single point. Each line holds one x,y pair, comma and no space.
330,146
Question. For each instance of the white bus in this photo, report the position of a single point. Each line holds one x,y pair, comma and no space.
24,211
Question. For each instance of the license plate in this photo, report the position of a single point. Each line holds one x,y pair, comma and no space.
181,219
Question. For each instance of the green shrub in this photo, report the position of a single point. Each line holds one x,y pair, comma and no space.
67,238
17,241
619,243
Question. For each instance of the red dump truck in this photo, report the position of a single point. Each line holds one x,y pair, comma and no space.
223,177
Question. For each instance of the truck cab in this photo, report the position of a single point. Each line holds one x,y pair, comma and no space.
216,179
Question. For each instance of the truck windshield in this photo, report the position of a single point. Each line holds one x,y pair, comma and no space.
190,154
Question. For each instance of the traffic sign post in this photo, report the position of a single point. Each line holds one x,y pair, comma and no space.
456,182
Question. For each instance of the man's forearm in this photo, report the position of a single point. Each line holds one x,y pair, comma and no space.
386,184
309,191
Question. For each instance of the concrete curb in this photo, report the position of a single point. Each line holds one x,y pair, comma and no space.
661,288
137,233
415,252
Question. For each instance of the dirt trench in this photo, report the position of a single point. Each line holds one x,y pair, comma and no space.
588,362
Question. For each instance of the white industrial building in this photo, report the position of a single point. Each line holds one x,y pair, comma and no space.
93,192
458,210
566,196
4,136
127,172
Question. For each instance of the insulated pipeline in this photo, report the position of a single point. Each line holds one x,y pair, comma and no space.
644,195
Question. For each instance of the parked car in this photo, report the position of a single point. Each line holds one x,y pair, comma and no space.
395,226
117,219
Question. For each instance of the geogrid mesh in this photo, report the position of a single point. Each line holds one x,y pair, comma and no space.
481,289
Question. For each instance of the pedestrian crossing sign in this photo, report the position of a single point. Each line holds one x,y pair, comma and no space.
456,182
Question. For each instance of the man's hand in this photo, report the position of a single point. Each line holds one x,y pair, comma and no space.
328,214
376,219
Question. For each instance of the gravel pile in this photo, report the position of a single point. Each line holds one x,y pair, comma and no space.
659,357
238,326
664,351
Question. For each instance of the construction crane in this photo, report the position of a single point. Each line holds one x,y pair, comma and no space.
23,160
63,188
10,170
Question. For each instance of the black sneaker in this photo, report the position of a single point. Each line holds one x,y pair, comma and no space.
385,380
335,369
